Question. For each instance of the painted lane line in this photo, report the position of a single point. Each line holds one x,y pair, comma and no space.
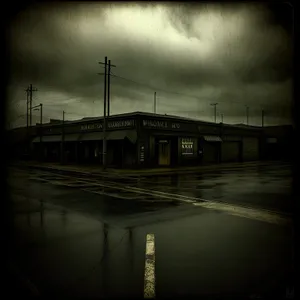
197,201
136,192
149,276
253,214
146,192
118,196
238,210
187,198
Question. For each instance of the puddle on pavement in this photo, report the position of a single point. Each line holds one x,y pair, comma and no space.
54,220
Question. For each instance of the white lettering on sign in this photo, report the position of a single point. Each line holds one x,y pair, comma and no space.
142,153
175,125
111,124
155,123
187,141
187,146
91,126
123,123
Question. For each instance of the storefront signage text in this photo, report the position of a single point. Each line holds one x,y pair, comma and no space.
110,125
91,126
120,124
187,146
142,153
160,124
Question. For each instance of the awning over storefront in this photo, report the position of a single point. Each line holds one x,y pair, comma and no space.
91,136
212,138
47,139
122,134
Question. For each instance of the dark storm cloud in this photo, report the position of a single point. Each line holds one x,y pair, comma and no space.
214,53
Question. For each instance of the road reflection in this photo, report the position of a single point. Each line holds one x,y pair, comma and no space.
130,247
28,212
42,212
64,217
105,260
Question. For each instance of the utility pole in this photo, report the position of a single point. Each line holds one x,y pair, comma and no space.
262,117
215,105
41,131
104,115
27,120
247,114
155,102
30,102
62,139
108,87
222,117
27,108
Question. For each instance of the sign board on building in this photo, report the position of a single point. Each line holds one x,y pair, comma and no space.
110,125
120,124
187,146
161,124
155,124
142,153
91,126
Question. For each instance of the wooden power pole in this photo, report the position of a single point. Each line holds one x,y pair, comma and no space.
62,150
108,87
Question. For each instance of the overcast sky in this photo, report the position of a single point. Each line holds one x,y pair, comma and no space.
192,56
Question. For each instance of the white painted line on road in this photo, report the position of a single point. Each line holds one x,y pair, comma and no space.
146,192
238,210
149,276
175,196
118,196
249,213
205,202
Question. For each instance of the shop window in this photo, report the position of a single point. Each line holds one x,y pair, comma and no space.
187,146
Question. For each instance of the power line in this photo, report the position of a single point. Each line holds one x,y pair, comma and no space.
154,88
259,105
171,92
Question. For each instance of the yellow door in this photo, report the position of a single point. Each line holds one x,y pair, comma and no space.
164,154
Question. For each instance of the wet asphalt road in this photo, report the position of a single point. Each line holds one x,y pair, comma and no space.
85,241
268,187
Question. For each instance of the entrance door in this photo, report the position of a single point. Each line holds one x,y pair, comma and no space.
164,154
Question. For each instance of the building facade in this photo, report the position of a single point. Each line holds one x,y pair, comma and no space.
144,140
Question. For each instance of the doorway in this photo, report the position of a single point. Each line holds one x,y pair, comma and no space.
164,153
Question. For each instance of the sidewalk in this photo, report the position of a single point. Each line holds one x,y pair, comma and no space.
98,170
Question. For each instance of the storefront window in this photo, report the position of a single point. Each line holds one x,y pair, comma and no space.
187,146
